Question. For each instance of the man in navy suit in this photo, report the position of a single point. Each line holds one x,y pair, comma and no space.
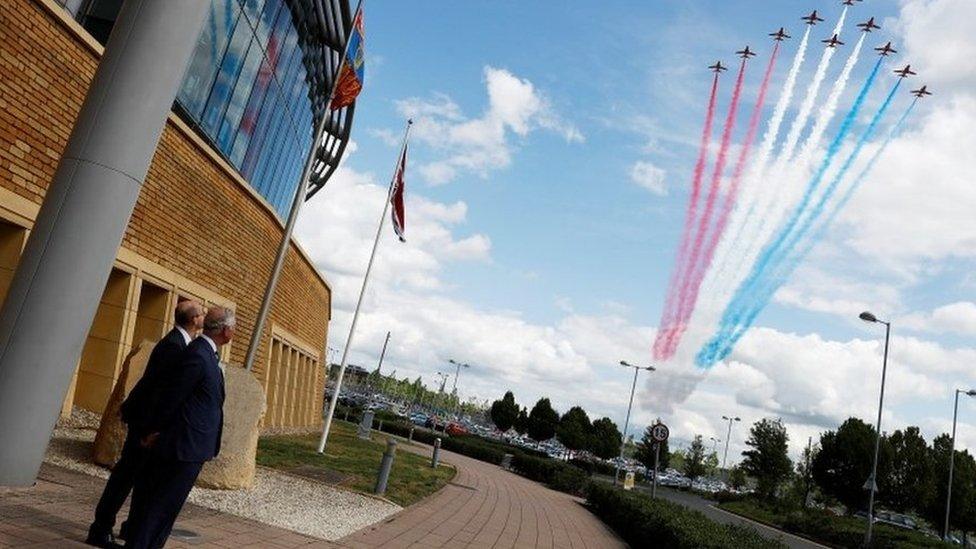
189,320
184,433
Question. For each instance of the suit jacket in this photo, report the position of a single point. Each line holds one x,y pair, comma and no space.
189,414
142,399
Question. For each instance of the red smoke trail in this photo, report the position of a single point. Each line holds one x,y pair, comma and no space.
705,220
698,276
669,313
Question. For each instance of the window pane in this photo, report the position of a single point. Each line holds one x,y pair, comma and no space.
206,58
242,90
226,76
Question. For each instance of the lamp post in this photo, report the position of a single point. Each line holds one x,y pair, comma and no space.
623,441
952,458
728,436
873,480
457,372
715,442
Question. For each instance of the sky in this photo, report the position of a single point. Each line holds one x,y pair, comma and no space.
549,170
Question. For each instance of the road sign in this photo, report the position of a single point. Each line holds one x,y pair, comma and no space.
659,432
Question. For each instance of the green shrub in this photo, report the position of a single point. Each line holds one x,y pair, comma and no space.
558,475
645,522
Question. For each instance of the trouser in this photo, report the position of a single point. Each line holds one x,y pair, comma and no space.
157,500
120,483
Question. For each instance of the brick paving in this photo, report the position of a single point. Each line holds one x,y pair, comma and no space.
484,506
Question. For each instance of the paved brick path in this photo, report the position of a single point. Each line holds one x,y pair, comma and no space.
484,506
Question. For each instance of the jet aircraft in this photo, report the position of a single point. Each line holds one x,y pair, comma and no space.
833,42
885,50
812,19
923,91
868,25
906,72
779,35
746,53
717,67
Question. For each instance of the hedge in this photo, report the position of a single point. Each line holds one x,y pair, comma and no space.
558,475
645,522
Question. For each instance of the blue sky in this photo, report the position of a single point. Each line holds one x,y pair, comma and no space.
535,253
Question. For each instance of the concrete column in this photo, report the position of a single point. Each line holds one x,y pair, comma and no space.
69,254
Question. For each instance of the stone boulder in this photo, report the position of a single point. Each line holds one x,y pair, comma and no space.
244,406
111,431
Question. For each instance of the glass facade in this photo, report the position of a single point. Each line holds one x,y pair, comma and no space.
247,90
256,85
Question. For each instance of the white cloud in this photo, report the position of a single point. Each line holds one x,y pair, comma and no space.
480,145
649,176
959,317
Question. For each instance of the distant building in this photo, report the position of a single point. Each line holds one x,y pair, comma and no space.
230,156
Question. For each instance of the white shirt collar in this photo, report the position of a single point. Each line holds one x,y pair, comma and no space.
210,341
185,334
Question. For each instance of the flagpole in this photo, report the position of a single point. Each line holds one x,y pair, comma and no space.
296,206
362,292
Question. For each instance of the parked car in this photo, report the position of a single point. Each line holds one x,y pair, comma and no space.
454,429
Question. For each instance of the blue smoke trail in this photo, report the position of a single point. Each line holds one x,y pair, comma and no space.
739,314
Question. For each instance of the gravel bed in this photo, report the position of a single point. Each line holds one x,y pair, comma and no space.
278,499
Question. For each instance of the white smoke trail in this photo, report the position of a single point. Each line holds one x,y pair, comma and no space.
745,206
782,185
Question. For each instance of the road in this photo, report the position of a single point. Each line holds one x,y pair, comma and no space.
706,507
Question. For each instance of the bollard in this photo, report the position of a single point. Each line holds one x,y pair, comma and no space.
385,467
410,436
346,418
436,455
380,428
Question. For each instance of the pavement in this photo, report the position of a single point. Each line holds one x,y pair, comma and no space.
484,506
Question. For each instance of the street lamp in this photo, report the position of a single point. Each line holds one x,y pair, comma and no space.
873,479
457,371
623,441
715,442
728,436
952,458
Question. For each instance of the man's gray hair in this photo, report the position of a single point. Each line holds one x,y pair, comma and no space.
219,318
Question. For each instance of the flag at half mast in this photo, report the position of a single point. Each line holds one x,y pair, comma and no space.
396,197
353,69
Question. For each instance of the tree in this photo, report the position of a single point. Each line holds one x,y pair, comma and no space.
843,464
767,460
504,412
522,421
737,478
574,429
804,473
646,448
962,512
695,459
911,483
606,439
711,464
542,420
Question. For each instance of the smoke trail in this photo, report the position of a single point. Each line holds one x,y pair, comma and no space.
668,313
742,216
796,253
736,318
773,205
697,275
705,221
793,137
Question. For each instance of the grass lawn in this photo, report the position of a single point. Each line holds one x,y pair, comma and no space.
358,460
829,529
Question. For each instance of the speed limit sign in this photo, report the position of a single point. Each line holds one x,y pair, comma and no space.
659,432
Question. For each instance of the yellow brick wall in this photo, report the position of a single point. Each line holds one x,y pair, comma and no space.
195,216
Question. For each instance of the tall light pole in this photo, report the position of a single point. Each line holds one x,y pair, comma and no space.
623,441
728,436
952,458
457,371
715,442
873,479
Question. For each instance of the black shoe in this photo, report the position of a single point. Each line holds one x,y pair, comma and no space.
106,541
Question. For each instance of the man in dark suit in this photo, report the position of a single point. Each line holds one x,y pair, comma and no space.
184,433
189,320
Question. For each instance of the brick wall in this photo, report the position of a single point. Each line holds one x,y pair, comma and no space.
193,216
